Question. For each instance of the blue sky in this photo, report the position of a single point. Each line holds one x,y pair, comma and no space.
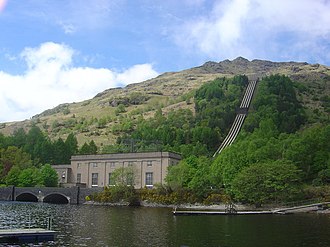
58,51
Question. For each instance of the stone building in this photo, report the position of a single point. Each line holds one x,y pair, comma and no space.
90,171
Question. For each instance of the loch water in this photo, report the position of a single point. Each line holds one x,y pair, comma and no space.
88,225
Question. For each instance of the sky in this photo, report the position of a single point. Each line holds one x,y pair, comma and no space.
63,51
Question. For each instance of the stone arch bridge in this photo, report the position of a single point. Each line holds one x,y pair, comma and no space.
73,195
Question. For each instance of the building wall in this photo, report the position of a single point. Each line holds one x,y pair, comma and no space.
64,173
156,163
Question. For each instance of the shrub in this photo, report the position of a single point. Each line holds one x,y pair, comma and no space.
117,194
216,199
167,196
322,192
265,182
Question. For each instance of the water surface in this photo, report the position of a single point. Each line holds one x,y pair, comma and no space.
87,225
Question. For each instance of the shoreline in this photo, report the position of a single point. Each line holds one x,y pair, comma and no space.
201,207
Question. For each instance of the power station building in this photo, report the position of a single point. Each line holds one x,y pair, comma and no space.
149,168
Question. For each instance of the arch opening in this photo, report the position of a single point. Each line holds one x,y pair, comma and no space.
56,199
26,197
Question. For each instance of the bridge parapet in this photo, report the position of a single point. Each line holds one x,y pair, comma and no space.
7,193
73,195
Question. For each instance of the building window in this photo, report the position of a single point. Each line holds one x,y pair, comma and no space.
111,181
149,163
149,179
93,164
78,178
78,165
63,176
112,164
95,179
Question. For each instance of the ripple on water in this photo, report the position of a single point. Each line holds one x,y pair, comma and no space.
86,225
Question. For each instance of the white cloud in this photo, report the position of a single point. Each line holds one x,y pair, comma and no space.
2,4
78,15
136,73
311,17
68,28
255,27
51,79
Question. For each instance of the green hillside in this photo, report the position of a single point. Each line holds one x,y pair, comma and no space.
278,150
100,118
281,154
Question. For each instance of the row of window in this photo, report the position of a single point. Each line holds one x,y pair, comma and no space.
95,179
113,164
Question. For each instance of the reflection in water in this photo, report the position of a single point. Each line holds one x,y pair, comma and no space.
87,225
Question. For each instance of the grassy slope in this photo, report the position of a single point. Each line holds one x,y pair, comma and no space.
170,91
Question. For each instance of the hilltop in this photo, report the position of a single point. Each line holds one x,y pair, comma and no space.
103,117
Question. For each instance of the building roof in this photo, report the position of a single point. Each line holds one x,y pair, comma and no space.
142,155
62,166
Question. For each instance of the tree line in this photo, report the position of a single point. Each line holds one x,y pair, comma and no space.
42,149
25,157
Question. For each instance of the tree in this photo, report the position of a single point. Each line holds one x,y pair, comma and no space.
123,176
30,177
13,176
49,176
13,156
276,99
71,144
47,152
62,154
179,176
34,139
191,173
84,149
201,181
18,138
88,148
265,182
323,177
92,147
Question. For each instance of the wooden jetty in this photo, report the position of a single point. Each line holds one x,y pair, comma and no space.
186,212
231,210
30,235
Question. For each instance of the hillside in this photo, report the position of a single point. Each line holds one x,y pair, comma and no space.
281,153
103,117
